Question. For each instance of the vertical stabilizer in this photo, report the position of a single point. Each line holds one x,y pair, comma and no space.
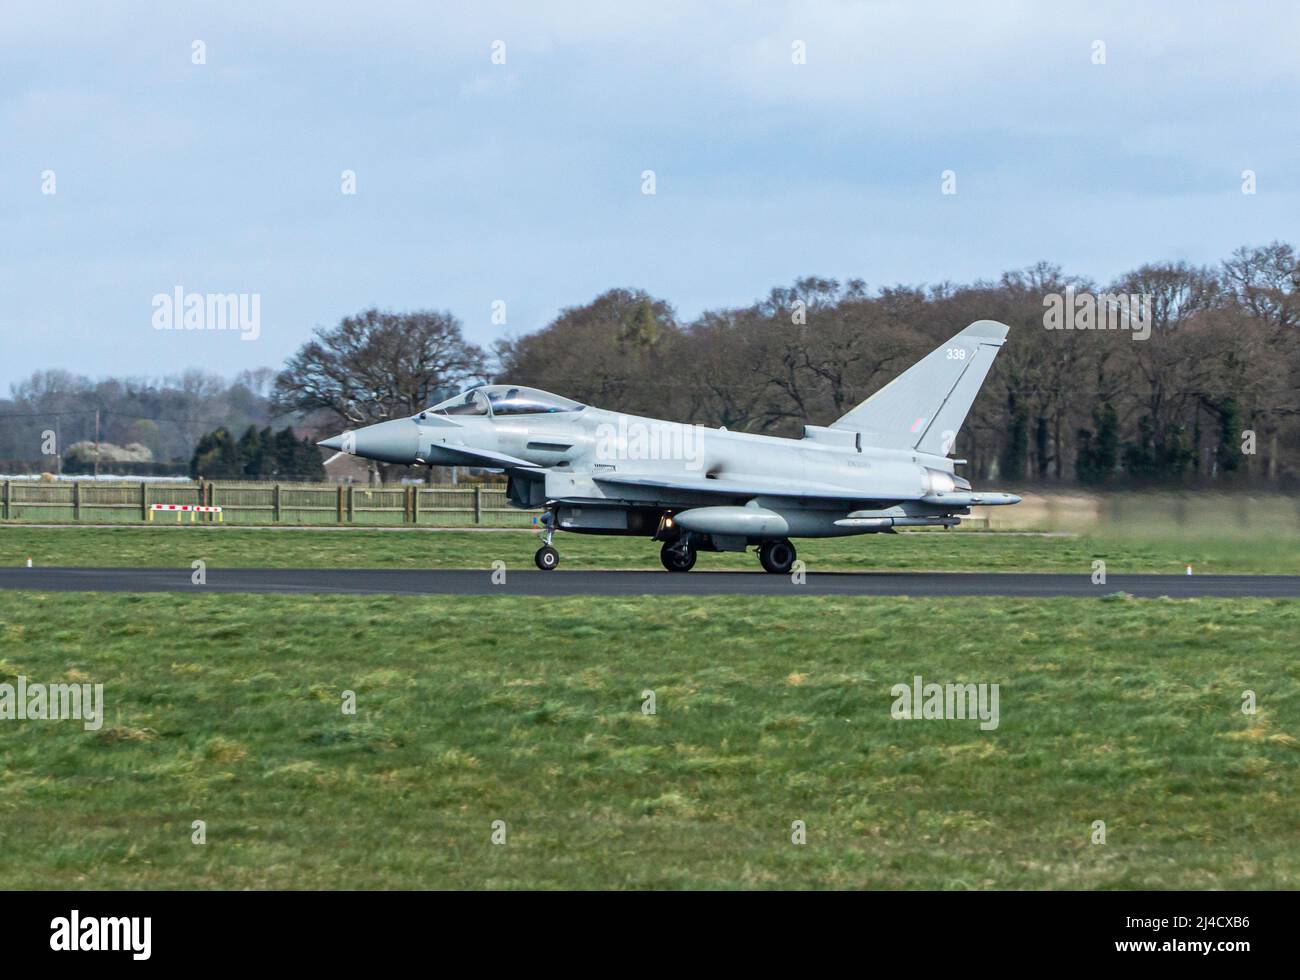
925,406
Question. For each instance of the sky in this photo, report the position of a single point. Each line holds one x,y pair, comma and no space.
521,183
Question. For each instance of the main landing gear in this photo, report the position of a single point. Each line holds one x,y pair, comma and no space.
777,556
679,555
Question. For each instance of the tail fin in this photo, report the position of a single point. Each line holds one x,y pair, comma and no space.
924,407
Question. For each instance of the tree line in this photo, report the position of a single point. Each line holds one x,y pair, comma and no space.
58,420
1207,392
259,454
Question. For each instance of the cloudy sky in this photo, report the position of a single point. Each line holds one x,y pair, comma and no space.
522,182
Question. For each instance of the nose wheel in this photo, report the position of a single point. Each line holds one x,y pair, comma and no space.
777,556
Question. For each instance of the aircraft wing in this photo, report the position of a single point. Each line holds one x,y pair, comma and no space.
759,486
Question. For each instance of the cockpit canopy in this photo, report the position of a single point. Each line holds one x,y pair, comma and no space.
505,400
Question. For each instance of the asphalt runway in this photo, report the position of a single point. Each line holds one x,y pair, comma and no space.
374,581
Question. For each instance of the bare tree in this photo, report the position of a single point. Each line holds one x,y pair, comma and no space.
379,365
1266,282
609,352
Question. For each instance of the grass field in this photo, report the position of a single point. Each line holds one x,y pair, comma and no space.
924,551
472,710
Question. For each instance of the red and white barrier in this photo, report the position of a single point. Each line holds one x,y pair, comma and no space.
190,509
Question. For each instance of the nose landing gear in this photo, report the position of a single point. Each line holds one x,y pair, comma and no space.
547,557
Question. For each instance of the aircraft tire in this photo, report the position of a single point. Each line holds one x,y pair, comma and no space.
777,556
546,558
676,560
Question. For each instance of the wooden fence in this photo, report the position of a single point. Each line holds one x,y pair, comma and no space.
95,501
466,505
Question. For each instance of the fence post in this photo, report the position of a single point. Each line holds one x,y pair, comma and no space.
352,506
144,501
338,505
8,491
415,504
275,502
76,500
478,503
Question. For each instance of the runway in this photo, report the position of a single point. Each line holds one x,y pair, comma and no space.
374,581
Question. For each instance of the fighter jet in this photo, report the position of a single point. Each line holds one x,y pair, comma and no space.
886,464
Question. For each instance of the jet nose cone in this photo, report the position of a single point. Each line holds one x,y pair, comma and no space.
395,441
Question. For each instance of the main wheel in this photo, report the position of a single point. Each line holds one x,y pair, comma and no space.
546,558
677,559
777,556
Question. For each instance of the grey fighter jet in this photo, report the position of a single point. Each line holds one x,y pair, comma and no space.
885,464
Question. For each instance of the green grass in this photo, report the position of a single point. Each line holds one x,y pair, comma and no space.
925,551
477,709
